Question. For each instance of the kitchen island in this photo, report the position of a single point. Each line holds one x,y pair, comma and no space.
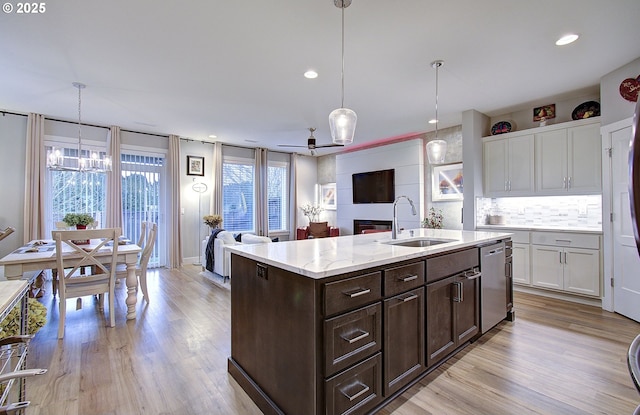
346,324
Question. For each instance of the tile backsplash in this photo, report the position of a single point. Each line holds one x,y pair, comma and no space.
549,211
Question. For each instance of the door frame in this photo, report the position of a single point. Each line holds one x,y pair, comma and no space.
607,210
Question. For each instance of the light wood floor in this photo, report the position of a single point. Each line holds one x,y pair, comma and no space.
556,358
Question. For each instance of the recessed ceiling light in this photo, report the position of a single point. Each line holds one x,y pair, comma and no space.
433,121
311,74
213,136
566,39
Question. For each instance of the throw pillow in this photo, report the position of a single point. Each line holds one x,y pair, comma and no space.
318,229
227,237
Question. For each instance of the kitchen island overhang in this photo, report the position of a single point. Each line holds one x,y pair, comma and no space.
346,324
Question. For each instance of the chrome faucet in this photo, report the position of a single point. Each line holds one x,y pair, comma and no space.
394,227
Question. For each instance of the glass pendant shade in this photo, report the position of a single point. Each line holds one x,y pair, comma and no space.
342,122
436,150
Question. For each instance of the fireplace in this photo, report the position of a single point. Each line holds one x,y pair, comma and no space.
360,225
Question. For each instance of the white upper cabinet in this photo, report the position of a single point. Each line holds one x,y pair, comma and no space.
568,161
561,159
508,166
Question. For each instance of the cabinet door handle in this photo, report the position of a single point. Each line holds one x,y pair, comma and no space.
565,257
409,298
505,186
509,185
362,334
564,182
560,254
357,292
362,391
569,183
408,278
458,296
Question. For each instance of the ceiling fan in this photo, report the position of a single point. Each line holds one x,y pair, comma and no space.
311,143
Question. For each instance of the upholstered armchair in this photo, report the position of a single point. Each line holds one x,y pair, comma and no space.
317,230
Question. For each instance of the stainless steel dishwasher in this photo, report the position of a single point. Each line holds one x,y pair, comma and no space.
493,292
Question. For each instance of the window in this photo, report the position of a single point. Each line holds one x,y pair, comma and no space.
238,176
239,202
141,195
73,192
277,191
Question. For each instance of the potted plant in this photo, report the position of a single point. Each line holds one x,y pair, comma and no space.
311,211
213,221
433,219
79,220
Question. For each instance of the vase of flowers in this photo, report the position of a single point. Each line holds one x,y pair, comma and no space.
311,211
212,221
433,219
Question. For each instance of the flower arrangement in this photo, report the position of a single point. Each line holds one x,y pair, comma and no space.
311,211
212,221
10,326
433,219
74,219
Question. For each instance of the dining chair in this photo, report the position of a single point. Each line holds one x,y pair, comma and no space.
143,262
99,256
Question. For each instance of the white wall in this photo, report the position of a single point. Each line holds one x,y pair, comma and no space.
614,107
194,205
306,182
407,158
13,133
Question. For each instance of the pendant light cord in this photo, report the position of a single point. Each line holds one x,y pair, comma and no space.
437,64
342,70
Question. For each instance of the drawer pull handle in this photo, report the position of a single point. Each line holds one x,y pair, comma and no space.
357,292
351,398
359,337
564,240
473,276
408,278
409,298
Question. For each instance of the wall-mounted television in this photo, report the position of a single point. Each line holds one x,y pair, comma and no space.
374,186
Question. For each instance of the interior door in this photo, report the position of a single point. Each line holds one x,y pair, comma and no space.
626,263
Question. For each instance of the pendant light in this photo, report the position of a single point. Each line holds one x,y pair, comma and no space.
342,121
94,163
436,149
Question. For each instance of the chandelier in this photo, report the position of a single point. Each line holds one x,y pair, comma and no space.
90,161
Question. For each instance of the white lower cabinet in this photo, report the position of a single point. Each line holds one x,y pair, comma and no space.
521,264
567,262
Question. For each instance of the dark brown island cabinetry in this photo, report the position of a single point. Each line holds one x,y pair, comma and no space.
348,343
453,301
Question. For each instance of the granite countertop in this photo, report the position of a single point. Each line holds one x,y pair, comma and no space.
539,228
325,257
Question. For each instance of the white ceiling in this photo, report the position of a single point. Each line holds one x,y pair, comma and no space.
234,68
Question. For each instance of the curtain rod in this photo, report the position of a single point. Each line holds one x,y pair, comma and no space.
201,141
85,124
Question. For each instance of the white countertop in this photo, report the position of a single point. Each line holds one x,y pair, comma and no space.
325,257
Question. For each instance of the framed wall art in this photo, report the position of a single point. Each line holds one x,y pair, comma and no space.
447,182
544,112
195,166
328,196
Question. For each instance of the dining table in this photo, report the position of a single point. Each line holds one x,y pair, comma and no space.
40,255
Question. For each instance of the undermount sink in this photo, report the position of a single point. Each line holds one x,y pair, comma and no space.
417,242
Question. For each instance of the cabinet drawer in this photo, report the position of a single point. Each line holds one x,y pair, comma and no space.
351,337
450,264
574,240
357,390
403,278
351,293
